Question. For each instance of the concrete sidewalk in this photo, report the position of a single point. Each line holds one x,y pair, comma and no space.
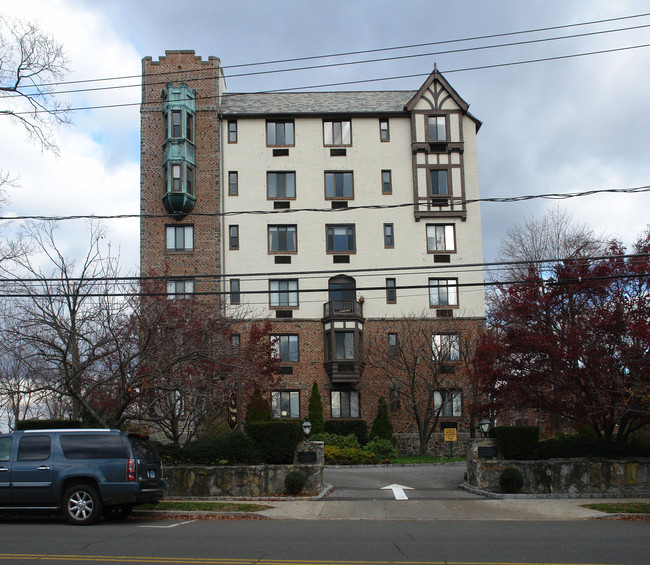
479,509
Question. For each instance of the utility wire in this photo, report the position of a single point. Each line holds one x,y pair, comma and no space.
366,51
347,83
347,63
507,199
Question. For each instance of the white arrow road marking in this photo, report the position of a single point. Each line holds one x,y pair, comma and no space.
398,491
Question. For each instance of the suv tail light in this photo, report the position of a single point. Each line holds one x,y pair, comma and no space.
130,470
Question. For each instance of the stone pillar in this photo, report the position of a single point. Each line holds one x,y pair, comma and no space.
309,453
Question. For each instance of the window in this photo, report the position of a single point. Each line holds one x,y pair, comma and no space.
233,233
279,133
391,291
337,132
34,448
340,239
286,347
283,293
437,129
449,402
285,403
344,345
386,184
392,345
345,404
446,347
189,127
235,341
233,183
180,238
443,292
441,238
282,239
235,296
438,185
176,123
281,185
339,185
232,131
389,236
176,178
180,288
189,179
384,132
395,402
93,446
5,448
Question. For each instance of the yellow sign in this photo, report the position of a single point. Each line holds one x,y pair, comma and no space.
450,434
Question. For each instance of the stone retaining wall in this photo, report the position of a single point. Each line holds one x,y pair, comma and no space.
409,444
208,481
578,477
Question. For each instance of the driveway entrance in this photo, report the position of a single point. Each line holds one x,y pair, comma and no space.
428,482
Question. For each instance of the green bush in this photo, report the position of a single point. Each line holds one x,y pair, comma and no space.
511,480
517,442
381,426
294,482
277,439
232,449
346,427
172,453
382,448
315,411
348,456
338,441
47,424
568,446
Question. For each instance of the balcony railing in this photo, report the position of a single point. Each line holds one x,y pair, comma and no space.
343,309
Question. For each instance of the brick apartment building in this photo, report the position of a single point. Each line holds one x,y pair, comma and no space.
359,223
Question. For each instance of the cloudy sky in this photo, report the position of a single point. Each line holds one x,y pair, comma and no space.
560,126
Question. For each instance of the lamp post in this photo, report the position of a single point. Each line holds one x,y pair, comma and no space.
306,428
484,425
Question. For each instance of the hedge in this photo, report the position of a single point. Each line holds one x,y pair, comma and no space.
517,442
346,427
277,439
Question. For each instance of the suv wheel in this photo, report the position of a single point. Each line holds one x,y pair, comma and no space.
82,505
118,512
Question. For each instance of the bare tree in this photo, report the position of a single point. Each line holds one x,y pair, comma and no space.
425,368
30,61
555,236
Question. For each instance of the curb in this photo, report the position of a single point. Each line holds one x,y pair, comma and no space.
551,496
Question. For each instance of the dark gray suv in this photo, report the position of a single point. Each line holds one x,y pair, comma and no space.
85,473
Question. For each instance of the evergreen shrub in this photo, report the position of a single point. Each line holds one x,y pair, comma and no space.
315,411
347,427
232,449
517,442
348,456
277,439
381,425
294,482
338,441
511,480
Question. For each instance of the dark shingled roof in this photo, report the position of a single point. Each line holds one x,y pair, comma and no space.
285,103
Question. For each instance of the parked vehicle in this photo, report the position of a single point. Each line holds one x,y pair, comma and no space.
85,472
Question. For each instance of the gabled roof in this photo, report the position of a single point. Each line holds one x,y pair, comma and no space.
437,76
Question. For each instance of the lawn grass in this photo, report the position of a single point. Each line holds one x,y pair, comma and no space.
621,507
188,505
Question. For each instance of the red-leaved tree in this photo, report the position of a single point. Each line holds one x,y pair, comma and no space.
576,346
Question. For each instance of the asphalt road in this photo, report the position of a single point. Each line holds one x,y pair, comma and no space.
288,542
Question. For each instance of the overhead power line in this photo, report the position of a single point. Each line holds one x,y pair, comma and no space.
361,81
368,51
351,63
506,199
